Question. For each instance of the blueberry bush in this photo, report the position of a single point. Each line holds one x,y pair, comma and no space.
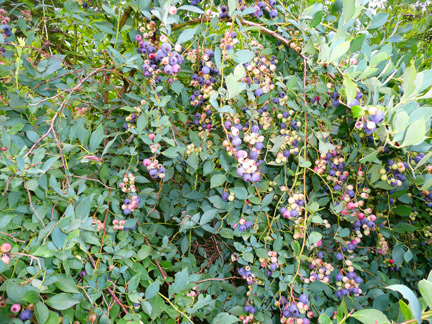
215,161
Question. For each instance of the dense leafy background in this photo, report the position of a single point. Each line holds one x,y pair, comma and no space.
331,102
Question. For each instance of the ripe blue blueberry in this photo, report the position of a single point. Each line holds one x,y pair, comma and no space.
26,315
304,299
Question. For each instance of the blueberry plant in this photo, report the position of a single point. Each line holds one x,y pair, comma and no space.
215,161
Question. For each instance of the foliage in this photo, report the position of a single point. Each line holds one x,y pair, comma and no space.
214,162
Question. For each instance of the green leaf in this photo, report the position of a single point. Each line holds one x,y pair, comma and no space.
232,6
82,210
244,56
357,43
406,311
66,284
339,50
152,290
181,280
314,237
316,19
368,316
248,257
225,318
41,312
96,138
379,20
208,216
193,161
62,301
134,283
357,111
401,121
350,88
348,10
412,299
191,8
415,133
233,86
186,35
217,180
425,288
267,199
324,319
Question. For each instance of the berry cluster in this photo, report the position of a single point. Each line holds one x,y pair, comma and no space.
154,168
248,162
227,196
291,312
348,284
81,111
247,274
295,207
369,123
129,205
243,225
160,58
132,118
98,223
128,184
393,173
250,311
320,270
193,293
270,264
262,7
5,29
229,41
4,255
26,14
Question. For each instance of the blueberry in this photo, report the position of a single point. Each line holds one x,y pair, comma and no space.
355,102
339,256
339,277
378,118
225,196
273,14
304,299
26,315
320,254
258,92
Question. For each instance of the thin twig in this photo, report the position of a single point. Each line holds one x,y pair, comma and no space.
117,300
31,204
92,180
12,237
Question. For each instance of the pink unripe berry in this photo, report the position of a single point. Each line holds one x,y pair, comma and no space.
147,162
6,247
5,258
172,10
15,308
